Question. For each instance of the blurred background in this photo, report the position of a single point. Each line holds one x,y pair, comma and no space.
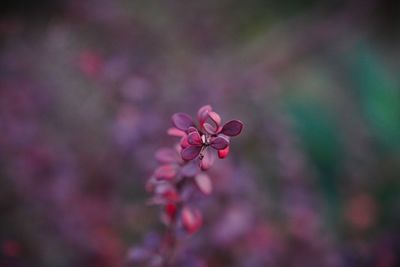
87,89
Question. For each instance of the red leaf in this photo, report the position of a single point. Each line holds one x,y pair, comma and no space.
232,128
170,210
223,153
182,121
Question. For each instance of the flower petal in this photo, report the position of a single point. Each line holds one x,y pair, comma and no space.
220,142
203,113
203,182
232,128
194,139
223,153
208,159
191,219
191,152
167,155
182,121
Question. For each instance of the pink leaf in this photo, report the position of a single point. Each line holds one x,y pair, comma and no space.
182,121
191,152
175,132
215,118
232,128
203,182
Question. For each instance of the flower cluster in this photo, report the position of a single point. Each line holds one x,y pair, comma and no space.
181,169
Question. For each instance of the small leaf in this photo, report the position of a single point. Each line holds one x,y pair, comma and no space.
194,139
223,153
190,152
203,182
209,128
203,113
232,128
175,132
182,121
215,118
191,219
184,142
220,142
208,160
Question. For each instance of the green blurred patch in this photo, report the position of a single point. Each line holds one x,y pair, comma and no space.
379,96
319,135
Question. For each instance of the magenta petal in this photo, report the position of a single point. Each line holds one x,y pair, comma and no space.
182,121
191,152
232,128
219,142
208,160
167,155
203,113
194,139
